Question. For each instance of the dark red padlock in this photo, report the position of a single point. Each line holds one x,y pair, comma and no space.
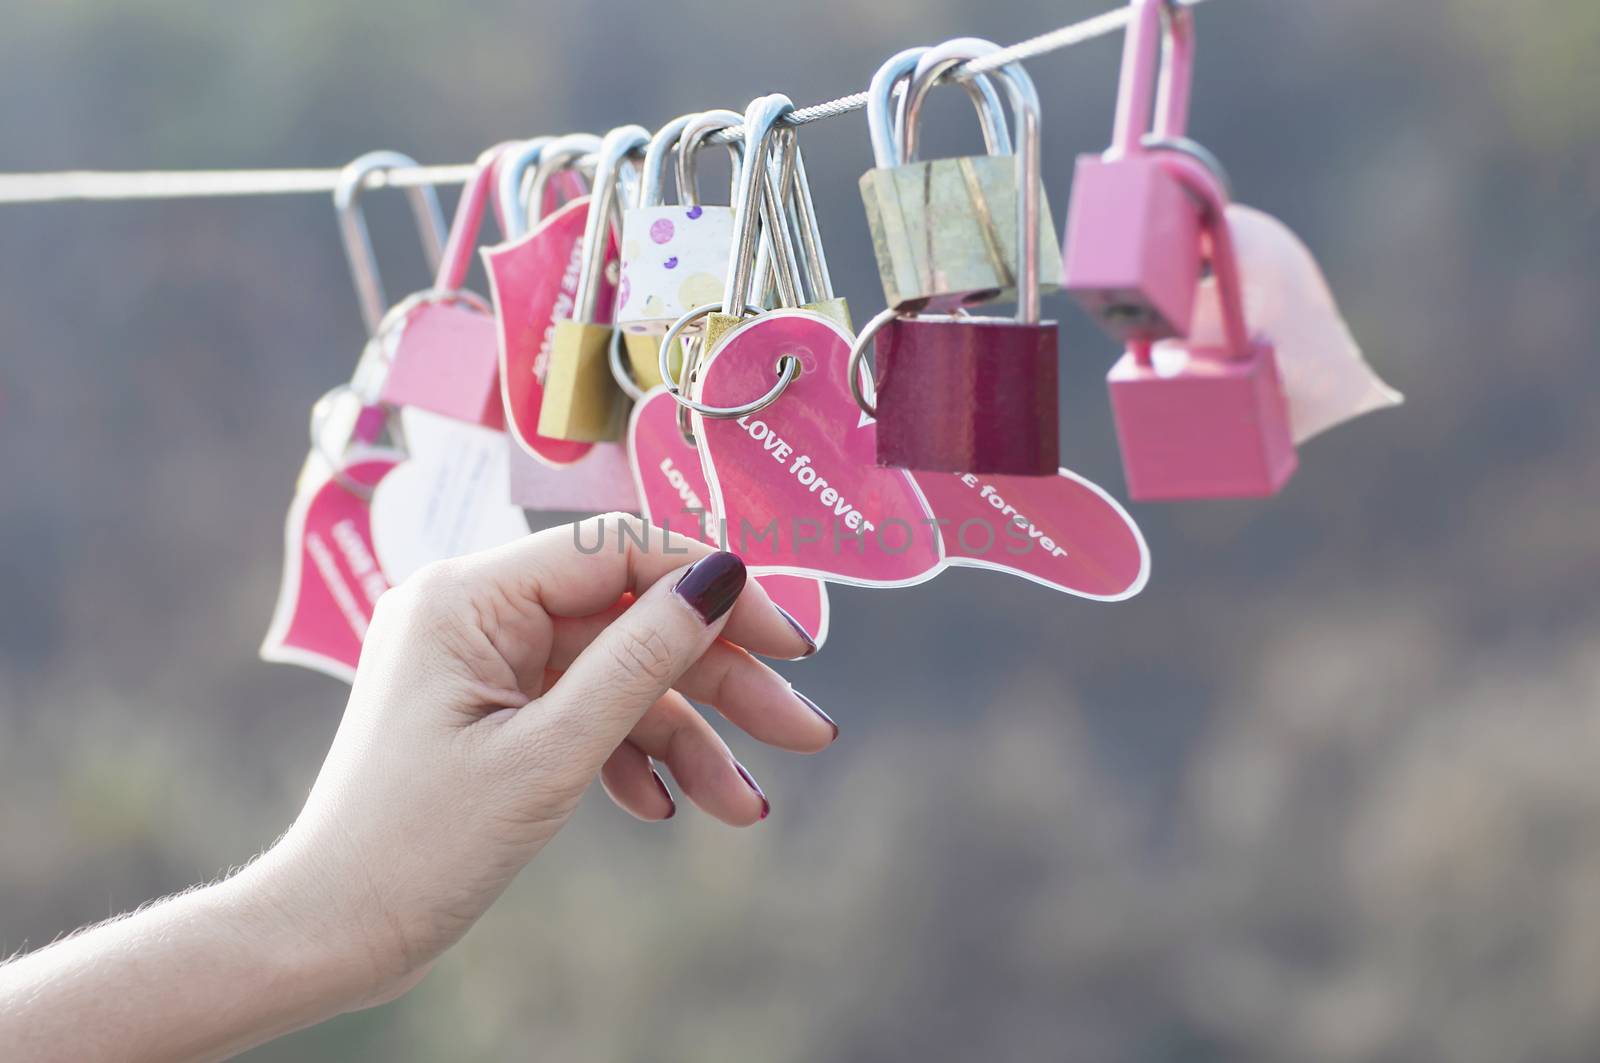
964,394
1132,241
1201,421
972,394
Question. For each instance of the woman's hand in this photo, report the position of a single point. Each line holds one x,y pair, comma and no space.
492,691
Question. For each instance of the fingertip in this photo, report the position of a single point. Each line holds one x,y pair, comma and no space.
711,585
672,806
749,780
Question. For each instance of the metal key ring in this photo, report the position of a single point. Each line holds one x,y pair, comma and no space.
619,371
858,353
320,411
787,367
1195,150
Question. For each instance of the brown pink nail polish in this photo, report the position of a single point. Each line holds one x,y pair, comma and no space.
811,643
766,806
814,707
672,806
712,584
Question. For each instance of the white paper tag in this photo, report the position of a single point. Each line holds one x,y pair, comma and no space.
448,498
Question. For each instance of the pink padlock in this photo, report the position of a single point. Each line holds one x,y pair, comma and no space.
445,357
1132,240
1199,421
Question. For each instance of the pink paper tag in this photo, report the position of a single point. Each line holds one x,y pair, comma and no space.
1326,379
673,494
598,482
446,362
798,482
331,580
534,281
1061,531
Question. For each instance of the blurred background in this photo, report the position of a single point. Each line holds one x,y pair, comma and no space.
1328,790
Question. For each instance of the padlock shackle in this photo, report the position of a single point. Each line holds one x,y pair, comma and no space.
693,139
574,152
1157,69
997,136
816,282
1203,184
1024,99
514,167
777,233
653,171
886,111
468,219
615,147
357,239
752,201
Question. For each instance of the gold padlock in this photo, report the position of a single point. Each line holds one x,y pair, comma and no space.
644,358
944,231
582,401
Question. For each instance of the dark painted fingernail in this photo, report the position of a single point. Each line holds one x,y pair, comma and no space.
672,806
814,707
766,806
811,643
712,584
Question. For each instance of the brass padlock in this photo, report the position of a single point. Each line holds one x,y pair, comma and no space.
944,231
582,401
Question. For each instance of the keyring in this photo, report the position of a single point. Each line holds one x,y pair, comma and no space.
858,352
787,367
321,410
619,371
1195,150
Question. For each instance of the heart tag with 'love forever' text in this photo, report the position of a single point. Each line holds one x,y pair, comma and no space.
331,579
1061,531
797,483
449,497
534,281
673,494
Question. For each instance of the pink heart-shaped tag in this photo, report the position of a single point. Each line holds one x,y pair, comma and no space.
331,579
1061,531
446,362
797,482
673,494
533,282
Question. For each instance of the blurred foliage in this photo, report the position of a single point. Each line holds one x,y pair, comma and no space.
1325,792
1541,53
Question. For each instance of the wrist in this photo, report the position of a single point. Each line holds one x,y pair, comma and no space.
306,952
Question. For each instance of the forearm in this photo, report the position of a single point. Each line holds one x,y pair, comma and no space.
199,976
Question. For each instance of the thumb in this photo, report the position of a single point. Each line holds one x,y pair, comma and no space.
632,663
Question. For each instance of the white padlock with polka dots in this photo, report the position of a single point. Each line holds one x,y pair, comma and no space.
674,256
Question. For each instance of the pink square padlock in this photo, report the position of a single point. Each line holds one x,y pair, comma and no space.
1200,421
1132,237
444,351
